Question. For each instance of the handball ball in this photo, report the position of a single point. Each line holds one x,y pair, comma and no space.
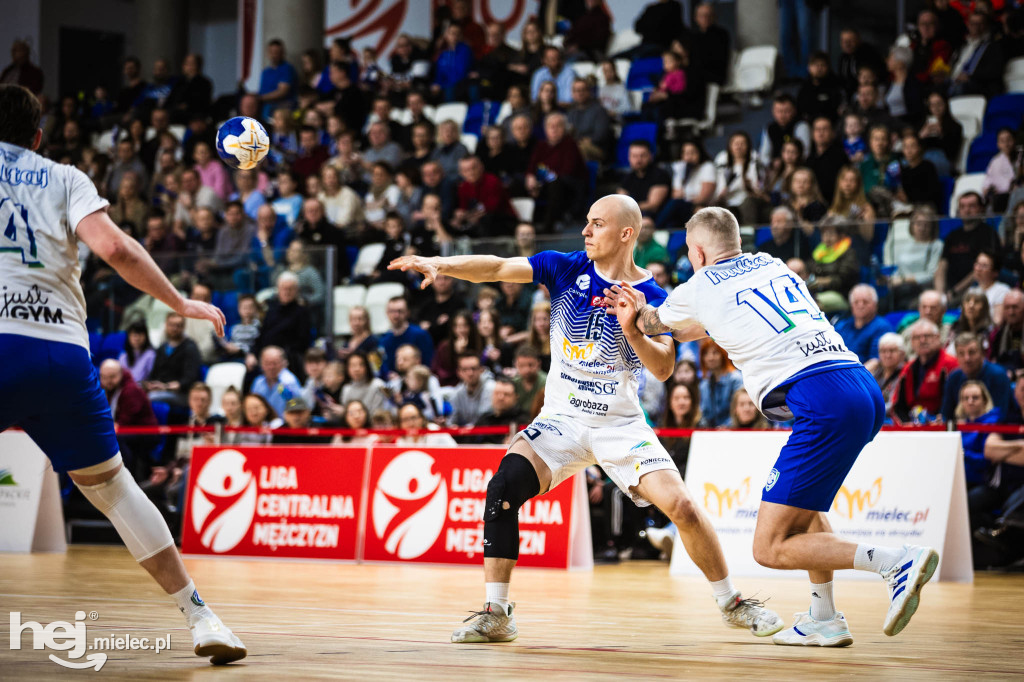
242,142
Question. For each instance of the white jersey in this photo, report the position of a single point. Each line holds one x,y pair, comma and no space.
41,204
595,374
761,313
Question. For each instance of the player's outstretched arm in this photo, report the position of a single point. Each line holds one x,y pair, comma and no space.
135,265
481,268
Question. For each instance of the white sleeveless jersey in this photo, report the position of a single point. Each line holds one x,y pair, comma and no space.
761,313
41,204
595,374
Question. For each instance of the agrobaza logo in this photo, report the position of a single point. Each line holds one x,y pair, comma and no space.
409,505
224,501
587,405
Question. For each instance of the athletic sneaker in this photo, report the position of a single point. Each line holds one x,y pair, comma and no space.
215,640
661,539
493,624
906,578
751,614
809,632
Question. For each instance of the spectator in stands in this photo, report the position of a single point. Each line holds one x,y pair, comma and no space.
131,91
853,138
202,241
344,98
667,101
918,259
922,382
611,93
436,183
276,383
472,397
408,72
411,417
826,156
246,182
870,107
941,135
834,266
975,406
721,380
590,124
159,122
530,378
504,411
863,328
342,206
1000,175
682,412
138,354
483,207
554,70
129,406
986,273
740,185
176,366
162,243
930,51
880,170
298,415
905,96
287,323
919,181
590,32
962,246
314,230
931,305
892,356
243,335
539,333
850,204
805,199
1006,344
647,182
356,417
854,56
659,24
311,155
381,198
194,195
21,70
1005,457
278,80
693,186
382,148
786,241
312,290
518,152
545,104
125,162
435,314
784,126
258,413
492,68
234,238
449,150
361,339
463,338
821,93
975,318
972,365
191,94
202,331
401,333
362,385
743,413
977,67
777,182
128,206
452,67
556,173
647,249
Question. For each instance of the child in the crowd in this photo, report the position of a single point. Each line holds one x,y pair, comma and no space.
242,338
315,363
853,138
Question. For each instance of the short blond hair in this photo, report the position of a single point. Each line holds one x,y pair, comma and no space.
720,224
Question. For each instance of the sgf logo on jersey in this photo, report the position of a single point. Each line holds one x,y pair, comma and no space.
583,282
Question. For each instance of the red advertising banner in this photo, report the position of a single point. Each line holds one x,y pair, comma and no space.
281,501
426,505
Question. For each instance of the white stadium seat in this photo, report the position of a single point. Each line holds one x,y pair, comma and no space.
1014,75
623,40
754,70
584,69
455,111
504,111
969,182
220,378
367,260
346,297
469,140
376,303
524,208
969,111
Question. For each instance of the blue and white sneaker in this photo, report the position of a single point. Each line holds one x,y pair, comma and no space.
809,632
905,579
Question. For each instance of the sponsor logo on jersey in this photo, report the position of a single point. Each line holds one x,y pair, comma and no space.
590,385
821,343
29,305
597,302
773,477
650,461
547,426
16,176
642,444
583,282
588,406
573,351
740,266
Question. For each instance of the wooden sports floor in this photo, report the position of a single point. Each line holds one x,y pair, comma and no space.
369,622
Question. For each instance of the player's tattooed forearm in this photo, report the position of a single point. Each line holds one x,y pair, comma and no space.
649,322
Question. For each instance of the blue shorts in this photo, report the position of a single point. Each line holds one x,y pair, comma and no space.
837,412
52,391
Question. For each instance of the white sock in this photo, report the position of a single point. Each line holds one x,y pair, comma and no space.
724,591
189,602
497,593
822,606
875,558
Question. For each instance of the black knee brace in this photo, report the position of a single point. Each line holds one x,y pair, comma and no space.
513,484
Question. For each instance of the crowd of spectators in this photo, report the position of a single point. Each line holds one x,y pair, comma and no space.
861,138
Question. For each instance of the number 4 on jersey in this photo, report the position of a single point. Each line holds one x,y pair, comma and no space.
787,296
14,223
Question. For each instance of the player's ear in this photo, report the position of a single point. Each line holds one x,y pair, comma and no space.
38,139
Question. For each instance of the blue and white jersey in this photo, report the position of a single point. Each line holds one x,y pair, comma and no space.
761,313
595,373
41,204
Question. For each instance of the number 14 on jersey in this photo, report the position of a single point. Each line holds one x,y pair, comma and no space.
778,303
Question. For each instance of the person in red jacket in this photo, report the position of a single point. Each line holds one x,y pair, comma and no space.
922,382
130,406
483,209
556,174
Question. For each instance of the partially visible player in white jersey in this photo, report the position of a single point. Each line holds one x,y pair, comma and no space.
591,412
49,386
795,366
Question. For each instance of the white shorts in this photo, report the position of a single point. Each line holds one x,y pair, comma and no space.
625,452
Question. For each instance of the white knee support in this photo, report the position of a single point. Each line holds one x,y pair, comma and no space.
135,517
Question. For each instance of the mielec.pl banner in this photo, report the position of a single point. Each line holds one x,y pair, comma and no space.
426,505
279,501
905,488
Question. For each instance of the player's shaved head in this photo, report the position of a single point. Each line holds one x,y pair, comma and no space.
712,233
622,209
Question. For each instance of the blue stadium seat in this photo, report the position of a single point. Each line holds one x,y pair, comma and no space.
474,118
676,242
1004,111
878,241
161,411
644,74
983,148
113,344
635,131
95,341
229,304
948,184
593,168
762,236
895,318
947,225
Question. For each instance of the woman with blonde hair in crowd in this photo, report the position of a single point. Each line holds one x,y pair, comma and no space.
231,406
681,412
129,206
462,337
720,380
916,261
975,407
362,385
975,318
851,204
258,412
805,199
539,335
410,416
886,368
356,417
743,413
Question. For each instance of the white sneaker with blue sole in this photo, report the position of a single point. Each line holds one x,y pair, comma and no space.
905,579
